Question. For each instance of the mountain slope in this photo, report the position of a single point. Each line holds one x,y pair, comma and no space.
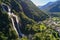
26,12
31,10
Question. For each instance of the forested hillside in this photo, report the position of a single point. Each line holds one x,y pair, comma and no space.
22,20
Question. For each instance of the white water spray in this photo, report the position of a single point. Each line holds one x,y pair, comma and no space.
11,15
17,21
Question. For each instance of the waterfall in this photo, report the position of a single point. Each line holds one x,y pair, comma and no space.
11,15
12,21
17,21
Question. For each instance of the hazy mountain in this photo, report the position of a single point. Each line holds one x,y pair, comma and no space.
52,7
45,6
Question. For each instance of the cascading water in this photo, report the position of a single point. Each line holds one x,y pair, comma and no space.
11,15
17,21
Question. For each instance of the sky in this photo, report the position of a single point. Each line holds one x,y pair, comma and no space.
42,2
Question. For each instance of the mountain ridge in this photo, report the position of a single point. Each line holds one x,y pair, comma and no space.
52,9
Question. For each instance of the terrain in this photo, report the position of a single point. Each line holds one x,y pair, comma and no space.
22,20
